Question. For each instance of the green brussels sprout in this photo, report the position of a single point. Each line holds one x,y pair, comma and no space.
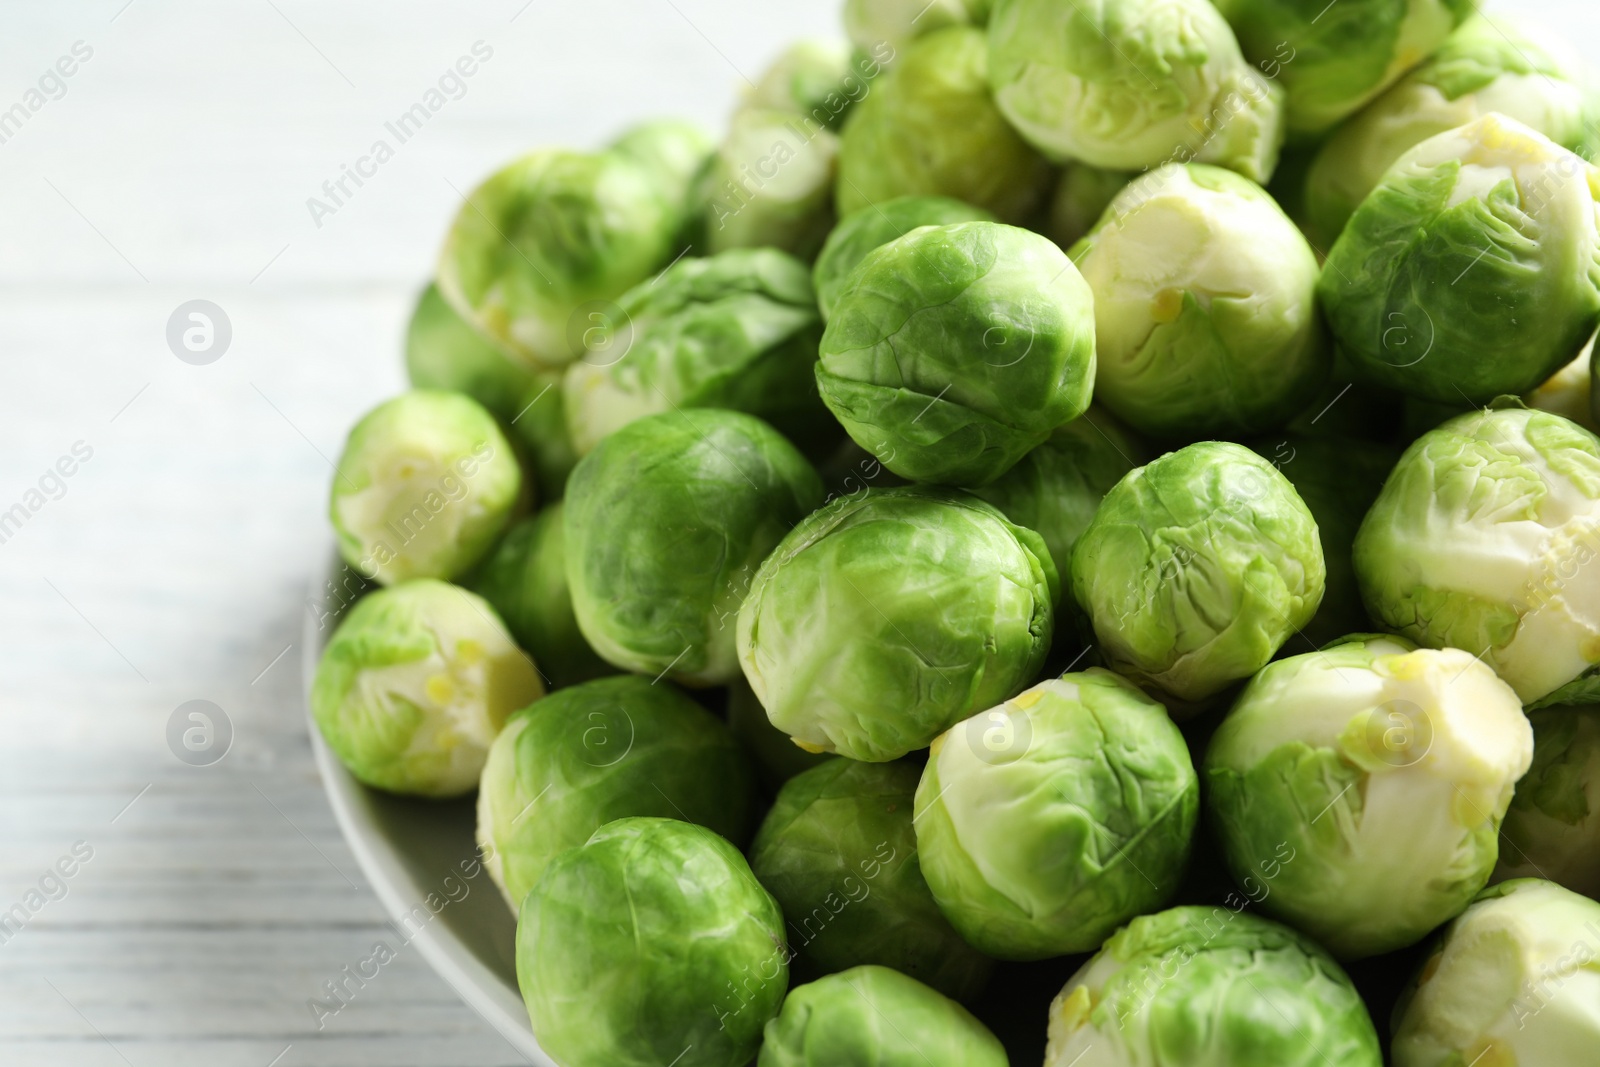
1552,829
549,240
890,615
873,24
1338,479
605,750
1505,66
1480,539
415,683
540,425
1045,823
1197,568
875,226
738,330
1210,985
1514,980
671,150
876,1017
1082,195
777,757
1570,392
931,128
445,354
1470,237
651,944
1132,84
953,351
667,521
1332,60
1056,489
425,485
1357,791
769,184
818,79
1205,307
525,580
839,854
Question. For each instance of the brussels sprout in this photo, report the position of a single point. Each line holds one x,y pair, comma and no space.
1332,60
839,854
549,240
1337,479
1082,195
818,79
954,350
667,521
1357,791
930,128
876,1017
651,944
877,225
738,330
1205,309
1480,540
414,685
1470,237
1132,84
896,23
1198,985
606,749
1552,828
890,615
1514,980
770,184
671,150
425,485
1505,66
1045,823
1056,489
1570,392
777,756
443,353
525,579
1197,568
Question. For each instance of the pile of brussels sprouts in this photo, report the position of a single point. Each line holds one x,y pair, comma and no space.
1071,532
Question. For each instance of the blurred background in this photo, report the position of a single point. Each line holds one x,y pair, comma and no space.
172,513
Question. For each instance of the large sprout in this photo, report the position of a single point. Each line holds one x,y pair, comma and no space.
1045,823
816,79
667,521
1514,980
930,128
769,184
876,1017
1552,829
1338,478
1331,60
1506,66
1132,84
839,853
1205,306
1197,568
954,350
890,615
542,247
605,750
1055,489
525,578
1357,791
425,484
1469,238
1482,539
737,330
877,225
414,685
651,944
1196,985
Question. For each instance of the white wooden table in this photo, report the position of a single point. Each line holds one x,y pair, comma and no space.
173,563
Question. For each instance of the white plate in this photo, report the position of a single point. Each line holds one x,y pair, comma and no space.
411,849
